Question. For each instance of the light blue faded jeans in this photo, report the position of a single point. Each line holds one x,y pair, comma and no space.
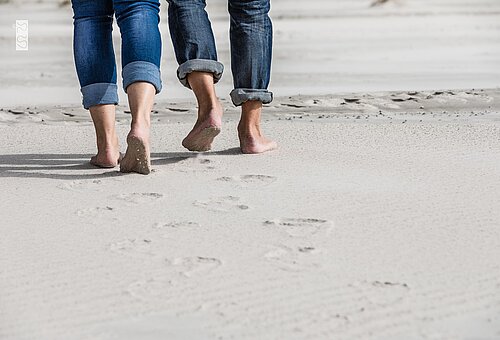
94,53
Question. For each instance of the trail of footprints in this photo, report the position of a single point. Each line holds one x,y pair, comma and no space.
169,271
300,255
175,270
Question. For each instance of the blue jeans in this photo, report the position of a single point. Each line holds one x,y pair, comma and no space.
251,36
93,46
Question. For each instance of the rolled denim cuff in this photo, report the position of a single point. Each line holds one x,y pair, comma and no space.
99,94
142,71
239,96
199,65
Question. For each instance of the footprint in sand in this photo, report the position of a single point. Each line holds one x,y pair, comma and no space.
176,225
383,293
194,266
138,197
295,259
172,227
222,204
207,163
300,227
151,288
94,212
178,271
195,164
249,180
139,248
204,160
81,185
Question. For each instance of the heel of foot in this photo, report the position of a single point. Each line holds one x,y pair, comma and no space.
136,158
203,141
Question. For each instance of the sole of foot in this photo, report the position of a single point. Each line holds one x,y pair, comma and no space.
136,158
203,140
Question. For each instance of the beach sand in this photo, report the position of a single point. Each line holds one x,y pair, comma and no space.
377,218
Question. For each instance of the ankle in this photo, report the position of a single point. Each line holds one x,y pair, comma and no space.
246,129
109,150
109,141
207,108
140,124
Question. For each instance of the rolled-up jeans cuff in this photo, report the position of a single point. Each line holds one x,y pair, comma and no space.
239,96
141,71
99,94
199,65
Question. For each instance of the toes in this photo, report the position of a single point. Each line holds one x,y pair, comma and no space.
258,147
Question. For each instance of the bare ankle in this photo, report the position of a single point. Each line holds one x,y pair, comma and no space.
107,142
140,124
208,110
249,129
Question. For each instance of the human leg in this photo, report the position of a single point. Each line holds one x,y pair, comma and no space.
96,70
141,56
251,55
199,70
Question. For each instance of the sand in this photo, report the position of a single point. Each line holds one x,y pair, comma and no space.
377,218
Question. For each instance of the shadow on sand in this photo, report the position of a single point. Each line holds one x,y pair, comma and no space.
56,166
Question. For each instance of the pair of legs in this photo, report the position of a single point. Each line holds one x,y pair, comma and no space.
96,69
251,54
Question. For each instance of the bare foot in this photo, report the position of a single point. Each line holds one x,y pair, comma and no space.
207,127
252,141
137,158
251,138
108,156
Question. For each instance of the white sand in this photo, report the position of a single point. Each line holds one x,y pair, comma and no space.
350,230
378,217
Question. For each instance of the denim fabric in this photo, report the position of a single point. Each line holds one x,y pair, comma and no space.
99,93
200,65
93,47
239,96
251,34
141,71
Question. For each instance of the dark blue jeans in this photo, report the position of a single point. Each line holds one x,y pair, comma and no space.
251,36
93,47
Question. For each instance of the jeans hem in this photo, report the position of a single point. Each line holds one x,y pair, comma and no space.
240,96
141,71
99,94
200,65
